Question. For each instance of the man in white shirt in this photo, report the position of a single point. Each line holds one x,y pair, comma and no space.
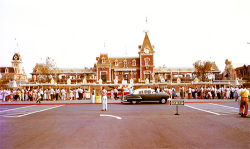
63,92
212,92
238,97
57,93
51,94
104,99
41,94
130,90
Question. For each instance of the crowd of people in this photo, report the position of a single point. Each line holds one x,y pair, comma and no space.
210,92
49,94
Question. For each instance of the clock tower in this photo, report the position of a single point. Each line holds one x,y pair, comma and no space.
146,54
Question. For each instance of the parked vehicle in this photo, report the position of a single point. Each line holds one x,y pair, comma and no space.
146,95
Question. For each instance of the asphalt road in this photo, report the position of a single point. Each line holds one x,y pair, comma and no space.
199,125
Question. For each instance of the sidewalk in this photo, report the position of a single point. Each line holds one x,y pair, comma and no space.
110,101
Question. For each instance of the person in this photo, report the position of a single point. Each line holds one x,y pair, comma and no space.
41,94
170,93
63,92
19,94
130,90
189,93
122,94
22,93
70,94
77,94
112,94
44,94
57,93
93,91
51,94
34,95
238,97
1,95
80,93
9,95
232,93
174,94
26,94
85,93
201,94
158,90
213,92
219,93
104,99
227,93
38,97
115,91
244,101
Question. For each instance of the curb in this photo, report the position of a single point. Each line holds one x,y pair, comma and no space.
111,103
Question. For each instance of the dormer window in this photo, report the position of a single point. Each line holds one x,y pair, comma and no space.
116,62
147,61
125,63
6,70
134,62
103,60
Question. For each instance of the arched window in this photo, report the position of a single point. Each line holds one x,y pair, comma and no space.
125,63
134,62
103,60
6,70
116,62
146,61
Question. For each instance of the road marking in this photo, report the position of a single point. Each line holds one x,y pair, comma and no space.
111,116
203,110
17,108
35,111
224,106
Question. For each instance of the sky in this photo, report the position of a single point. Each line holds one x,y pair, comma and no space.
73,32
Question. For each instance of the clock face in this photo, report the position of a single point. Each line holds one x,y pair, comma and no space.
146,49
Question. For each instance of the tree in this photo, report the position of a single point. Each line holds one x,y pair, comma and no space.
3,81
46,70
202,68
247,78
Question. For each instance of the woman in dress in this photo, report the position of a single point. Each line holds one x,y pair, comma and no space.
228,92
45,94
77,94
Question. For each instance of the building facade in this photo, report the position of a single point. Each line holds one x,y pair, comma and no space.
14,73
120,69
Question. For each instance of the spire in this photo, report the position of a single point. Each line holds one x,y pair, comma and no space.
146,28
126,49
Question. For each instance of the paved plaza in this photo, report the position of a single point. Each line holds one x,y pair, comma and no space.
144,125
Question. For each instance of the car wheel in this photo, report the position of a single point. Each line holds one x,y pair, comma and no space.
133,102
163,101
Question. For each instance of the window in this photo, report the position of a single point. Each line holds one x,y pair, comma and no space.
134,62
103,60
116,62
146,61
125,63
134,75
6,70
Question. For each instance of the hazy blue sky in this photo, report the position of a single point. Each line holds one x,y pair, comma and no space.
73,32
